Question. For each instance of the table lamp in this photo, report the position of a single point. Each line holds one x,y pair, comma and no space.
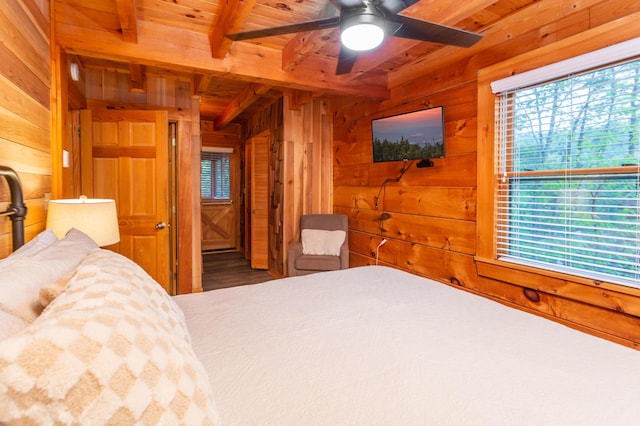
96,217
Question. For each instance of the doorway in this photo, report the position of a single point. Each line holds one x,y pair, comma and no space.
219,193
235,192
124,156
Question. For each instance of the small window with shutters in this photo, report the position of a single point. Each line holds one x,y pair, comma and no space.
567,164
215,175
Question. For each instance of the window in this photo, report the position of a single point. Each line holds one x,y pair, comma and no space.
567,162
214,175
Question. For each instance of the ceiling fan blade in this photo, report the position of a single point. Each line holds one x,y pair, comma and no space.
417,29
394,6
317,24
346,59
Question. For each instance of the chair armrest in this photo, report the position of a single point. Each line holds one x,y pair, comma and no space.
344,255
294,252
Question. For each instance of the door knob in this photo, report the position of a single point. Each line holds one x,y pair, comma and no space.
161,225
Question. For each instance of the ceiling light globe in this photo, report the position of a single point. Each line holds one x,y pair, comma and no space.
362,37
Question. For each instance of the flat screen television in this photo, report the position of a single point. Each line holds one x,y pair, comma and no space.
415,135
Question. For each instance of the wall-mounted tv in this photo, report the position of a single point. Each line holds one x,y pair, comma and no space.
415,135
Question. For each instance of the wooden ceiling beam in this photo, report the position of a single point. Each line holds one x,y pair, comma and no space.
136,78
201,82
309,42
302,45
128,20
175,48
242,101
230,20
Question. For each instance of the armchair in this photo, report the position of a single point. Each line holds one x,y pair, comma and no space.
320,250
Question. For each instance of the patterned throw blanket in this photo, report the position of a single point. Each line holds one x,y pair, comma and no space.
111,348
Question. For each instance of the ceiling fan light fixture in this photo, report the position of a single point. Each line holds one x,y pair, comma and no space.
362,37
362,31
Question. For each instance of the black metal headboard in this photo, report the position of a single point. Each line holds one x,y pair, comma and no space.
17,209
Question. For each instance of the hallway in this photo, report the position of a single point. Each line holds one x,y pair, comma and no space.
229,269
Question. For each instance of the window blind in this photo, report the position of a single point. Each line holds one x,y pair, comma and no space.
215,175
568,191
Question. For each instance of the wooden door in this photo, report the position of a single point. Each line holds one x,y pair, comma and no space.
218,226
125,157
260,202
220,215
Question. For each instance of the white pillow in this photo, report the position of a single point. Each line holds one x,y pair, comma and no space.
39,242
322,242
22,278
68,251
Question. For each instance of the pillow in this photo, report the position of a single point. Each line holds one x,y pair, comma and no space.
39,242
112,348
69,250
322,242
11,324
22,279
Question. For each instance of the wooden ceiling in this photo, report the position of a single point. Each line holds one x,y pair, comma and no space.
188,37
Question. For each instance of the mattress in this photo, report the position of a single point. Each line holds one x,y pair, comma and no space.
377,346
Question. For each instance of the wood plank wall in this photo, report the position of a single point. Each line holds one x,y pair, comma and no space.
300,167
24,110
429,216
306,163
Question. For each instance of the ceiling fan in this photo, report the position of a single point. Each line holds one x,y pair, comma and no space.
363,26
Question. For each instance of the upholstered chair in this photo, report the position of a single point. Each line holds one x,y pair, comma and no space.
323,245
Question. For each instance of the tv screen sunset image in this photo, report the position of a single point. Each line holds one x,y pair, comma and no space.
415,135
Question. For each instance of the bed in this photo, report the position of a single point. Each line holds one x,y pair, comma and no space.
89,338
377,346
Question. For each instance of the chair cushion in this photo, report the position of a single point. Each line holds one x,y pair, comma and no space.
322,242
318,263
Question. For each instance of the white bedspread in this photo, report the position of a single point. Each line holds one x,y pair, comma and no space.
377,346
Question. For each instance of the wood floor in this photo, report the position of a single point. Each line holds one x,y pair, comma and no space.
229,269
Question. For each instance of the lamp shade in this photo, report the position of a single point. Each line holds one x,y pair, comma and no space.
95,217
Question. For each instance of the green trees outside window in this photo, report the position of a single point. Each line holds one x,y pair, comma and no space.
214,176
